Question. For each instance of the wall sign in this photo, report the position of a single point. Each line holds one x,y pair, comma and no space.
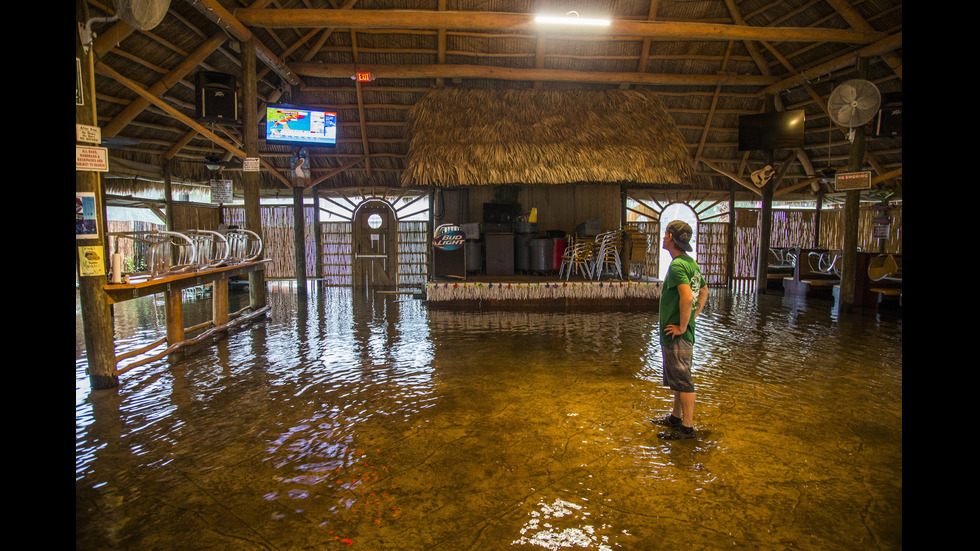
846,181
448,237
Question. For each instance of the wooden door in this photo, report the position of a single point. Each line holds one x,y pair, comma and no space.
375,245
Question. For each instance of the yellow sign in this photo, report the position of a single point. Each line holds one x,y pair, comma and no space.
91,261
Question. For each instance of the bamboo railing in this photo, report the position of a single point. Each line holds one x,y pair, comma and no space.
235,319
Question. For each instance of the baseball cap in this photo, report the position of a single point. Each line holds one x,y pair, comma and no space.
681,232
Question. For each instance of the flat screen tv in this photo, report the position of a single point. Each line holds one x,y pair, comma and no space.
767,131
304,126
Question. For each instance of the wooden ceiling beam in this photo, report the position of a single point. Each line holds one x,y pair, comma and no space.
325,70
524,22
105,70
185,67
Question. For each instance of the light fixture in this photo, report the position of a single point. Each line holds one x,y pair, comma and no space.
571,18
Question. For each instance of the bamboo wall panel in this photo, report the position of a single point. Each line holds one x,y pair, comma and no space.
713,252
651,260
336,238
277,238
746,246
797,228
195,217
413,253
832,234
793,228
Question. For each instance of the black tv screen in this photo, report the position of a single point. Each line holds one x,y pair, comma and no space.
766,131
291,124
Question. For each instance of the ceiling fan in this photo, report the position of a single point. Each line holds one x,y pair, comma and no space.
215,163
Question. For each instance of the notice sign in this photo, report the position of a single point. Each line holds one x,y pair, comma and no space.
221,191
93,159
847,181
251,164
91,261
88,134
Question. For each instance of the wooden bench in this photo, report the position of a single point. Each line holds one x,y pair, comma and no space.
882,283
815,273
782,262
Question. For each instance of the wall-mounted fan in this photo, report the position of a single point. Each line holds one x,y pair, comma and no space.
142,14
854,103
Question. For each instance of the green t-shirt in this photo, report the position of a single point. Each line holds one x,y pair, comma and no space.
682,270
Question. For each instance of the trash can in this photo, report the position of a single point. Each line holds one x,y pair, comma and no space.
474,255
542,251
557,254
522,251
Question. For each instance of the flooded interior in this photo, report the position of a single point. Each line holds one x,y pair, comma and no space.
367,420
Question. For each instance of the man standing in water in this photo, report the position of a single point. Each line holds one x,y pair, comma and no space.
678,310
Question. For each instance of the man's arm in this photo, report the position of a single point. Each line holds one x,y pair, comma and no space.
702,299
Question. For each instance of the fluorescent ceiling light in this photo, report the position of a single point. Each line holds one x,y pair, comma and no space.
571,18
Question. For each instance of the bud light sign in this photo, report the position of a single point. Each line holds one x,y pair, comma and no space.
449,237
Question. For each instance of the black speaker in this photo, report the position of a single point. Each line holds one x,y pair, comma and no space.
216,97
890,116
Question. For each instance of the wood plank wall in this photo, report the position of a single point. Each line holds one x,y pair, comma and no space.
560,207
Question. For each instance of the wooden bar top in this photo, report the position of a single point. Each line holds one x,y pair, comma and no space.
119,292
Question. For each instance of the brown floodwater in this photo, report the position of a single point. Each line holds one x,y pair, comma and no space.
363,420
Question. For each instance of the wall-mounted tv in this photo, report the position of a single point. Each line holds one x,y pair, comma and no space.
765,131
295,125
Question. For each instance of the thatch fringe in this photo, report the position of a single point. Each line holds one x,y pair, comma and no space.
544,291
485,137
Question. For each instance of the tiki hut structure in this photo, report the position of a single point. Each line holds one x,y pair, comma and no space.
460,138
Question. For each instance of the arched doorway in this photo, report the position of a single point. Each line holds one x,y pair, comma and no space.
374,244
677,211
651,212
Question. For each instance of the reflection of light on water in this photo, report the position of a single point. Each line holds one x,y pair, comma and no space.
543,528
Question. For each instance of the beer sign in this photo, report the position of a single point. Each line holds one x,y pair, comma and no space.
449,237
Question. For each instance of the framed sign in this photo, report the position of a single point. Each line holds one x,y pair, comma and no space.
847,181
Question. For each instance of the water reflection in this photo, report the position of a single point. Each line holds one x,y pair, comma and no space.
366,419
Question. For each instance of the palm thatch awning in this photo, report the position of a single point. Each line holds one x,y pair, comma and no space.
460,137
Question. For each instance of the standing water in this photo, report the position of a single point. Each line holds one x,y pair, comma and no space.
355,419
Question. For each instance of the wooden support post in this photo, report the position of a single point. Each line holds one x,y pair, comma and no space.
852,203
219,302
174,309
250,128
317,235
93,252
730,251
765,235
299,240
816,223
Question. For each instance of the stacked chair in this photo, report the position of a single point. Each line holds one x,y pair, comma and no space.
578,258
609,245
637,258
613,253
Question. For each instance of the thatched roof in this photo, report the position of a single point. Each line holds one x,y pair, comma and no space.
461,137
708,62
